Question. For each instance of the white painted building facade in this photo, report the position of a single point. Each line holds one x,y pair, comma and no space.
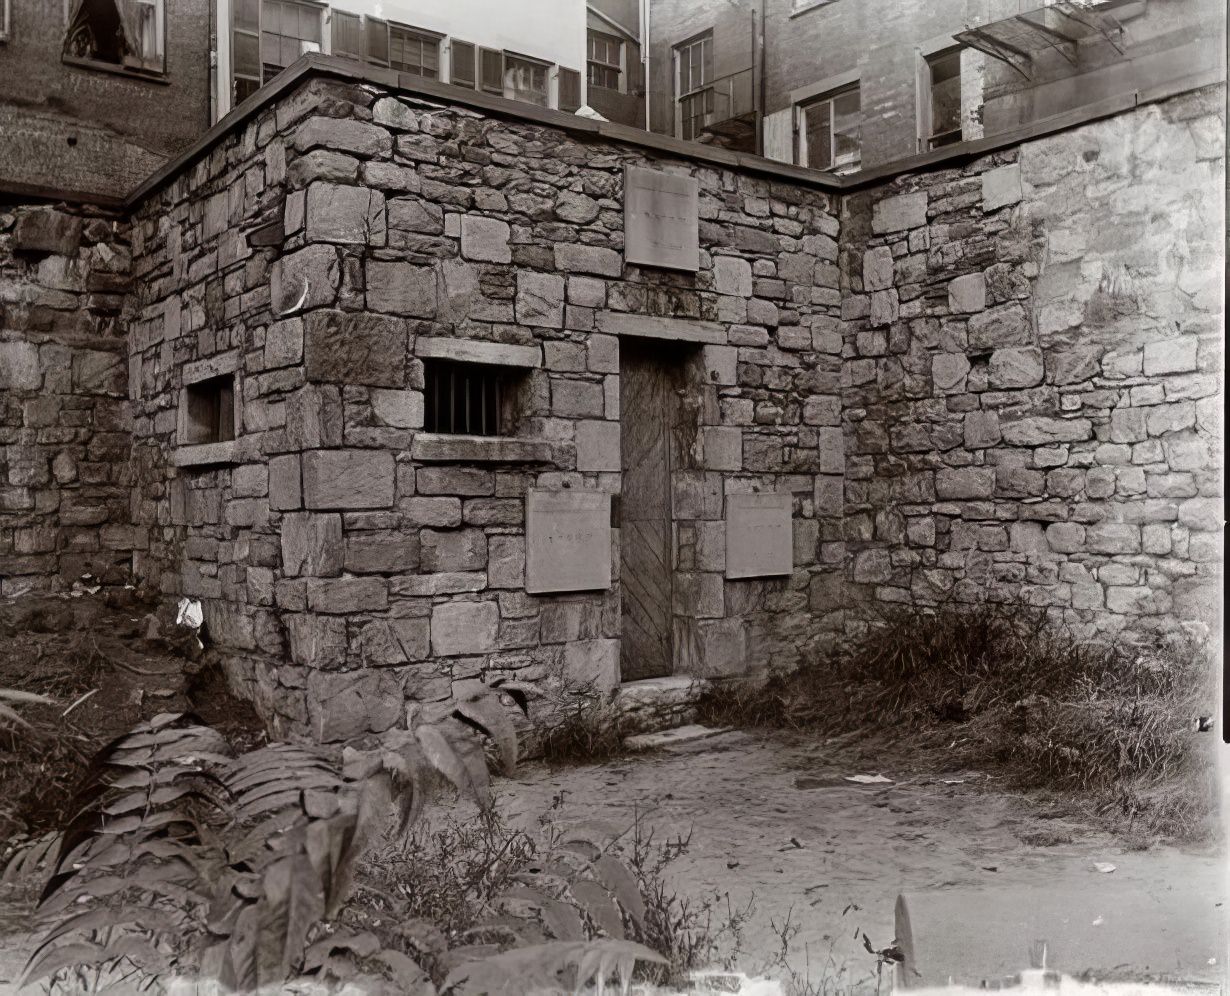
530,50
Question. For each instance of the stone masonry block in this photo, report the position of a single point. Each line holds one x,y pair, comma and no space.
1001,187
1016,368
573,258
401,288
723,447
304,279
598,445
948,372
485,239
311,544
285,486
453,550
345,215
964,483
46,230
19,366
592,666
967,294
877,269
355,479
1169,356
464,628
346,595
540,299
899,213
349,348
732,275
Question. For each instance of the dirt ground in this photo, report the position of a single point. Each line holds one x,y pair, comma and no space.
108,659
773,820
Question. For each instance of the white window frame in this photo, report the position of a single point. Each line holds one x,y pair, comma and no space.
620,67
547,69
836,165
424,36
131,65
926,124
681,95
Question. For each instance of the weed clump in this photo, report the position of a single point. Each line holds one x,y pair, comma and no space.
1010,689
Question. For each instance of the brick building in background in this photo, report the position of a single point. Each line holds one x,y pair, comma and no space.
96,94
852,85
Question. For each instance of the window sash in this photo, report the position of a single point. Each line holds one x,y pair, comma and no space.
525,80
346,34
288,30
695,65
830,132
944,98
414,52
463,66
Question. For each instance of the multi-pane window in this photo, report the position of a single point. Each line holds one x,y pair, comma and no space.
605,60
346,34
465,398
942,103
414,52
288,30
694,74
128,33
245,48
462,65
526,80
829,132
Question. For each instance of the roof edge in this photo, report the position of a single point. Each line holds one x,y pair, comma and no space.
316,65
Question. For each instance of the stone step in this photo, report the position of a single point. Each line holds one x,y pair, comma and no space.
654,704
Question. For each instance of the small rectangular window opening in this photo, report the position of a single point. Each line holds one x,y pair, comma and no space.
211,410
944,77
466,398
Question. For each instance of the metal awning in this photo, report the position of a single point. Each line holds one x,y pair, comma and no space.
1060,27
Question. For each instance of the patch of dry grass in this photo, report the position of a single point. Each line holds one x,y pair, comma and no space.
1009,689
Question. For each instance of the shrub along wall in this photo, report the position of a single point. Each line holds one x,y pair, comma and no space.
1031,385
351,562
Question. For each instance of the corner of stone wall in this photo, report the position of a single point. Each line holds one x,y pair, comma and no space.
65,431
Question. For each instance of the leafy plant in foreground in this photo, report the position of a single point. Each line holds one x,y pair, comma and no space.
186,861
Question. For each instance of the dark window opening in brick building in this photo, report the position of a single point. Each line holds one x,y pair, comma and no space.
211,410
467,399
126,33
605,60
944,98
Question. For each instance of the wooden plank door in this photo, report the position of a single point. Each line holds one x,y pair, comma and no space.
646,401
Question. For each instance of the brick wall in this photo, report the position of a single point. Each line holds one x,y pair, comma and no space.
350,563
73,129
1032,376
64,426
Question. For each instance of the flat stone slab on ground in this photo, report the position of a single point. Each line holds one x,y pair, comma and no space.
670,738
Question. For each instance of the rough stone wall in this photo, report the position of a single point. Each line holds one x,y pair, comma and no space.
1032,396
64,426
350,563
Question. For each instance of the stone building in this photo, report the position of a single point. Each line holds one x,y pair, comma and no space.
423,388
